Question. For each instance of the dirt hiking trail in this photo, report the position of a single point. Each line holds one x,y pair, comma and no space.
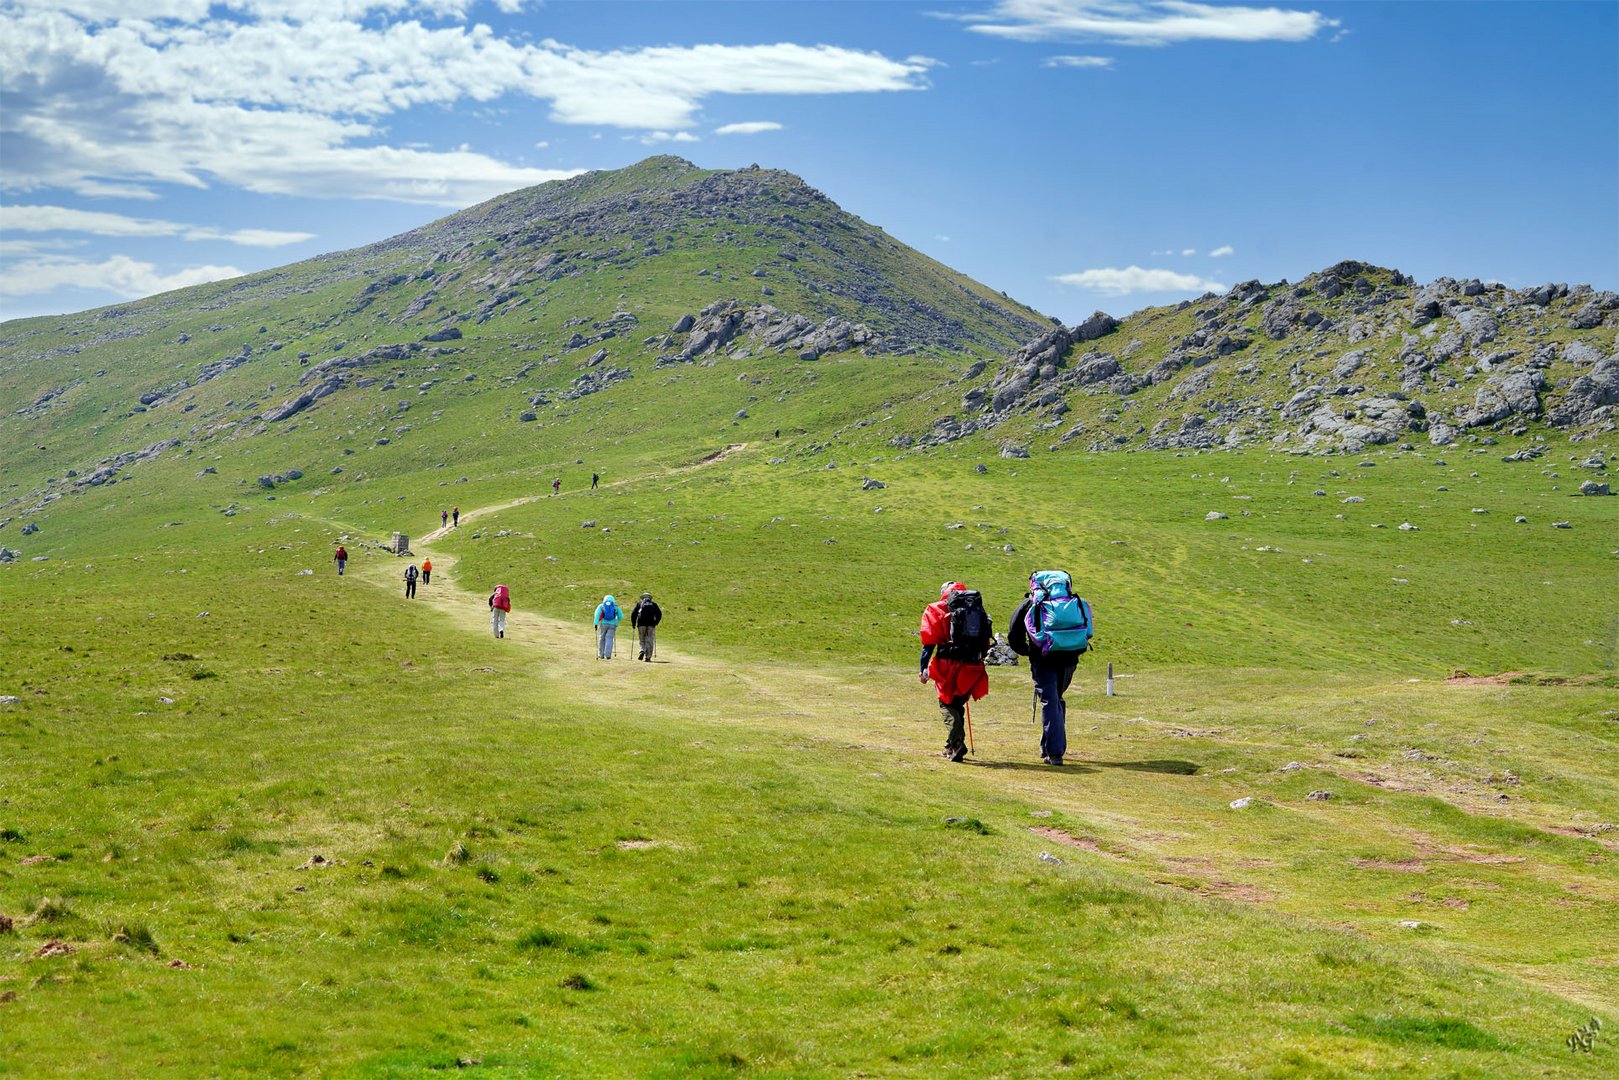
478,512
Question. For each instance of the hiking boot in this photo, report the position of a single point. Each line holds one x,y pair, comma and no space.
959,754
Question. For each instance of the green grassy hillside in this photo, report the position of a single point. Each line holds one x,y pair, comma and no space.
256,818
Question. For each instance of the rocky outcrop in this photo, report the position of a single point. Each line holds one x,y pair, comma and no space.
1515,393
594,381
1368,358
329,376
725,322
1590,398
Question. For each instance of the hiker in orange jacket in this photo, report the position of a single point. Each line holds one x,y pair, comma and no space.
427,571
956,631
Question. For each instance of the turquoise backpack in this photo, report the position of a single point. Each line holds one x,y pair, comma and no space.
1057,621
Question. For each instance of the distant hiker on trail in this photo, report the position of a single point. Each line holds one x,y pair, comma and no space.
427,571
956,631
455,516
410,581
443,519
595,478
1051,627
608,616
556,486
500,605
644,619
342,558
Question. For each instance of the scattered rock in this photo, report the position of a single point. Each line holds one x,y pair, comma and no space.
1215,515
1590,487
53,948
868,484
1406,526
980,469
591,524
1242,804
1320,796
1562,525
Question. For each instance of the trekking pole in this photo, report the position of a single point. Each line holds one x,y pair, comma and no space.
968,706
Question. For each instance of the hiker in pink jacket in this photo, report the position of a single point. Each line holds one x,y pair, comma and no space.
500,605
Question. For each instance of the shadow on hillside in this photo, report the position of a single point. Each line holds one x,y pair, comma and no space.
1032,766
1175,768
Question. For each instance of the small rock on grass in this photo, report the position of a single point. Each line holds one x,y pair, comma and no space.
1243,803
1562,525
1214,515
1320,796
1048,857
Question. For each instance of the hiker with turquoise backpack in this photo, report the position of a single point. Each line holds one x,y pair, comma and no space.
607,618
1052,627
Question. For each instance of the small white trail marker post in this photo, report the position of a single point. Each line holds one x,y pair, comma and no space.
1110,678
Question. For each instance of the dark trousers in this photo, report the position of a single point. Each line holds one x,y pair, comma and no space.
410,588
954,715
427,577
1050,684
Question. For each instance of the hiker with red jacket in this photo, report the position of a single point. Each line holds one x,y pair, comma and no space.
956,632
500,605
342,558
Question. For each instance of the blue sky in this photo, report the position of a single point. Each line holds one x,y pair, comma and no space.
1078,154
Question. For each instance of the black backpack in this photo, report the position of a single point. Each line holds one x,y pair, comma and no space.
970,628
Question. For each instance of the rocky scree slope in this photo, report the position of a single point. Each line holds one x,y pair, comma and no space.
1351,357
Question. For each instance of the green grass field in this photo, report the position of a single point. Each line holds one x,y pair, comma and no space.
748,857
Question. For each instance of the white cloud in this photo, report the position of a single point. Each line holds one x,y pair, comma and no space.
748,127
1142,22
1135,279
117,274
1077,62
1222,251
1188,251
942,238
286,97
653,138
543,144
62,219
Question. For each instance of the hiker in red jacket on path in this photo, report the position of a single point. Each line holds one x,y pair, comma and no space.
955,662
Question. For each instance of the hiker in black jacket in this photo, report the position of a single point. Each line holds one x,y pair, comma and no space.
644,618
1053,671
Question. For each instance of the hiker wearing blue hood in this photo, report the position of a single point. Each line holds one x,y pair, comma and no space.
608,616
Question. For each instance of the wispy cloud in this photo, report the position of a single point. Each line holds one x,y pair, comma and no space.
1188,252
748,127
289,97
1135,279
1142,22
653,138
118,274
1077,62
1222,251
95,223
